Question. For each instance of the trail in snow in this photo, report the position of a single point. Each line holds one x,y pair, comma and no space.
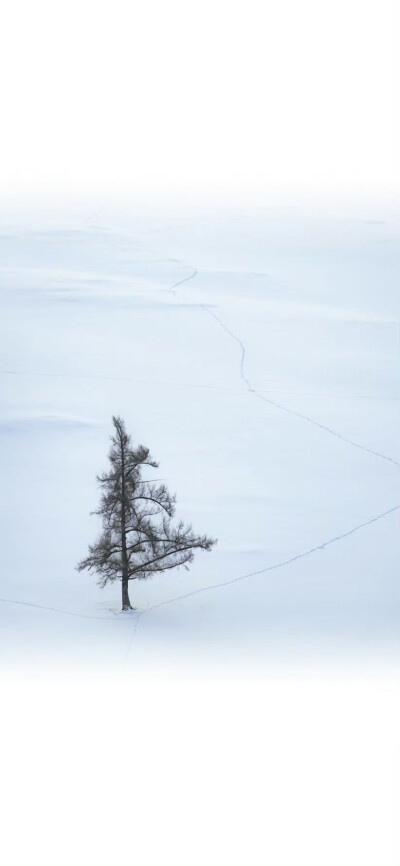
185,280
277,564
56,610
284,408
234,337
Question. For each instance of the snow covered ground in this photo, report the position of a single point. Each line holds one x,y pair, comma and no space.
256,353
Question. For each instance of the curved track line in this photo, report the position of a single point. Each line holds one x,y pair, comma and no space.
237,340
286,408
180,282
326,429
56,610
278,564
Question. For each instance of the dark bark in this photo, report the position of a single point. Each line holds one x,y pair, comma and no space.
126,605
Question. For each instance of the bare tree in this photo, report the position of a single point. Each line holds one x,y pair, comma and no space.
138,538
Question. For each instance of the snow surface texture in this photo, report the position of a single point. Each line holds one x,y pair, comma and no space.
256,355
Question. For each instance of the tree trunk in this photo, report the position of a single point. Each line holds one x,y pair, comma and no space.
126,605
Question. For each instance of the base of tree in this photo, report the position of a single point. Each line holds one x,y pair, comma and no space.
128,607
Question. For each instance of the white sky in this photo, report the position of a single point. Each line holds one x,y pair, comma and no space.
199,94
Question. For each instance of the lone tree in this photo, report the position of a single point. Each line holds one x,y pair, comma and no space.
138,538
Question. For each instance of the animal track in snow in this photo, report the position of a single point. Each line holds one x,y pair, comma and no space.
277,564
284,408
